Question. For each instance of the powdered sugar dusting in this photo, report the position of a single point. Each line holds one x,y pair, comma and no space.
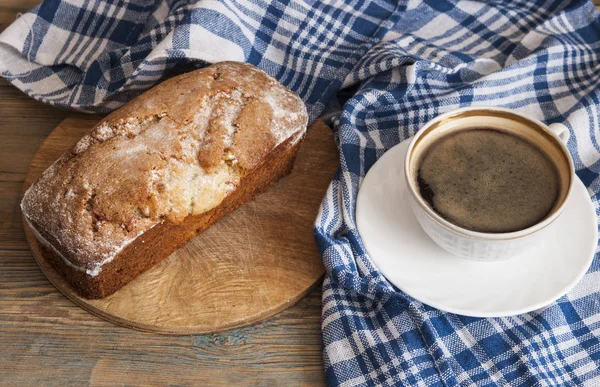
134,172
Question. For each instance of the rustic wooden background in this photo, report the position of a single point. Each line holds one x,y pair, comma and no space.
46,340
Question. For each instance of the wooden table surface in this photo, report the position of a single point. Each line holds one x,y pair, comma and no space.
46,340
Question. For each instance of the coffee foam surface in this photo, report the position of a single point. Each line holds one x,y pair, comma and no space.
487,180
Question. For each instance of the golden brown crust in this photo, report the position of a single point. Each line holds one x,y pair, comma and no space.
158,243
174,152
253,140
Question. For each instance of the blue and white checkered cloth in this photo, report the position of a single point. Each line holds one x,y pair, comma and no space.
378,70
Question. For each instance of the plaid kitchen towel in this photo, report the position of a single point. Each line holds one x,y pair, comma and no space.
378,69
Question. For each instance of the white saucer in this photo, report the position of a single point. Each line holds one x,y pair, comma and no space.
410,260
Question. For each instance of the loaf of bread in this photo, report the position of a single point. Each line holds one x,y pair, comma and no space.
160,170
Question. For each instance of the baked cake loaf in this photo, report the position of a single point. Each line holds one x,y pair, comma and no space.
160,170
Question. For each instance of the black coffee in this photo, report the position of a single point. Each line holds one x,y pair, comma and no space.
487,180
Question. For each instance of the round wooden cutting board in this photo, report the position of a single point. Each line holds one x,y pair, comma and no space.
252,264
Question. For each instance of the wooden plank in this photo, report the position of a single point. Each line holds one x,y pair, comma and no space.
64,346
9,10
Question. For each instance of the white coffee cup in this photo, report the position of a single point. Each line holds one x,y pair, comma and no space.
483,246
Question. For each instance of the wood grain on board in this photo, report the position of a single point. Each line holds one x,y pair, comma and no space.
252,264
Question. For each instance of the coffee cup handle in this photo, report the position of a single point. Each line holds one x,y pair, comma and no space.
561,131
